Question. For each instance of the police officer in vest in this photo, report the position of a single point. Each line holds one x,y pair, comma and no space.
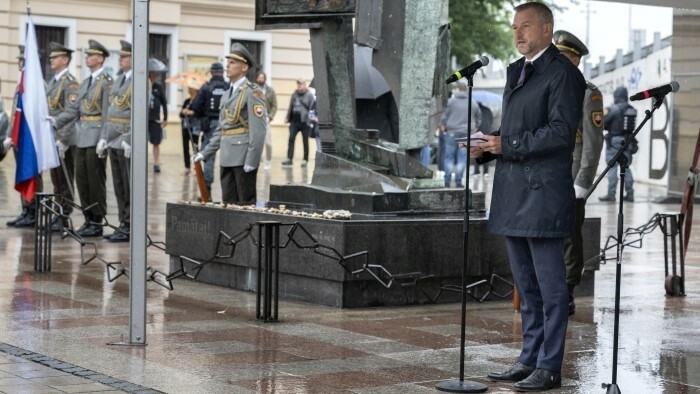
240,132
90,164
28,216
206,106
620,122
589,143
117,137
62,91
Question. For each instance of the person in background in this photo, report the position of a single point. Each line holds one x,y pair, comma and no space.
298,119
62,91
189,124
589,143
620,123
271,103
532,202
206,107
157,101
453,124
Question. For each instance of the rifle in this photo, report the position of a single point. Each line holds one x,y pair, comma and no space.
203,191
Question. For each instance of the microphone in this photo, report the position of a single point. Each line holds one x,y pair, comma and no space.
656,92
469,70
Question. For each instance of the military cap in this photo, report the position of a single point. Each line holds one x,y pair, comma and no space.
95,48
216,67
240,53
566,41
21,52
126,48
57,49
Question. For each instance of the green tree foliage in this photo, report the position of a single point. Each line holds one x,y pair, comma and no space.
483,27
480,27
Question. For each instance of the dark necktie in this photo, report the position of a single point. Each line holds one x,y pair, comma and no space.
122,82
522,73
89,82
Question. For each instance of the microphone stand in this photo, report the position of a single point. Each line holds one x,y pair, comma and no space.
612,388
461,385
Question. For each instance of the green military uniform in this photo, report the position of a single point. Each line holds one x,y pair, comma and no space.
117,135
62,91
28,216
589,143
90,170
240,135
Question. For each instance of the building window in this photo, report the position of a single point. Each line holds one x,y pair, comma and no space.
255,48
45,35
159,47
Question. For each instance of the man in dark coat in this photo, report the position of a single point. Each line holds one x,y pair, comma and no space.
533,192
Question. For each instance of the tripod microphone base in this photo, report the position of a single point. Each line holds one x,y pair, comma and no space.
612,388
461,386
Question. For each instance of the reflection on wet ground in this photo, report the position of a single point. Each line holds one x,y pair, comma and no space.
205,339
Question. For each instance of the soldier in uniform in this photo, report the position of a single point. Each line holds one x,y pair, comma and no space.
240,132
90,164
117,137
62,91
589,143
28,216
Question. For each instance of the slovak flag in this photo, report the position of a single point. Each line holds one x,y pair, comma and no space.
31,130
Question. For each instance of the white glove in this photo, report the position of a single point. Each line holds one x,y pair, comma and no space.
248,168
7,143
127,149
100,149
62,148
580,191
51,120
197,157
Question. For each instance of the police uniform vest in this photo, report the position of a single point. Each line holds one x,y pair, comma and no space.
218,88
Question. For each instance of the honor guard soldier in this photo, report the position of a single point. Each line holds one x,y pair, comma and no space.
589,143
62,92
28,216
117,137
90,109
240,132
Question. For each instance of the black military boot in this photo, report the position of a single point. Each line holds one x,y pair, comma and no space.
28,220
11,223
94,229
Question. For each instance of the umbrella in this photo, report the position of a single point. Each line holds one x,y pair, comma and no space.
156,65
369,82
183,79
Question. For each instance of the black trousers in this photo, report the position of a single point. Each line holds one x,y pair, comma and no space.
121,175
238,186
573,247
91,178
61,184
294,128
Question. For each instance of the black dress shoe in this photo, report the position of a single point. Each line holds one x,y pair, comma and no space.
93,230
515,373
118,236
540,380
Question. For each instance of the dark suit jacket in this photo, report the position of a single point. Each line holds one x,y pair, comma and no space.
533,194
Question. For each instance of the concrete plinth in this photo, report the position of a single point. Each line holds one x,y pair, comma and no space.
427,247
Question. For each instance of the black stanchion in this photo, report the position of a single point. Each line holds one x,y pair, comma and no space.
42,232
672,226
621,159
461,385
267,292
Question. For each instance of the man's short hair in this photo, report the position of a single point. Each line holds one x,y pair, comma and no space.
543,12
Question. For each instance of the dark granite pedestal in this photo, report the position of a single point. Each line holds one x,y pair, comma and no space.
427,248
